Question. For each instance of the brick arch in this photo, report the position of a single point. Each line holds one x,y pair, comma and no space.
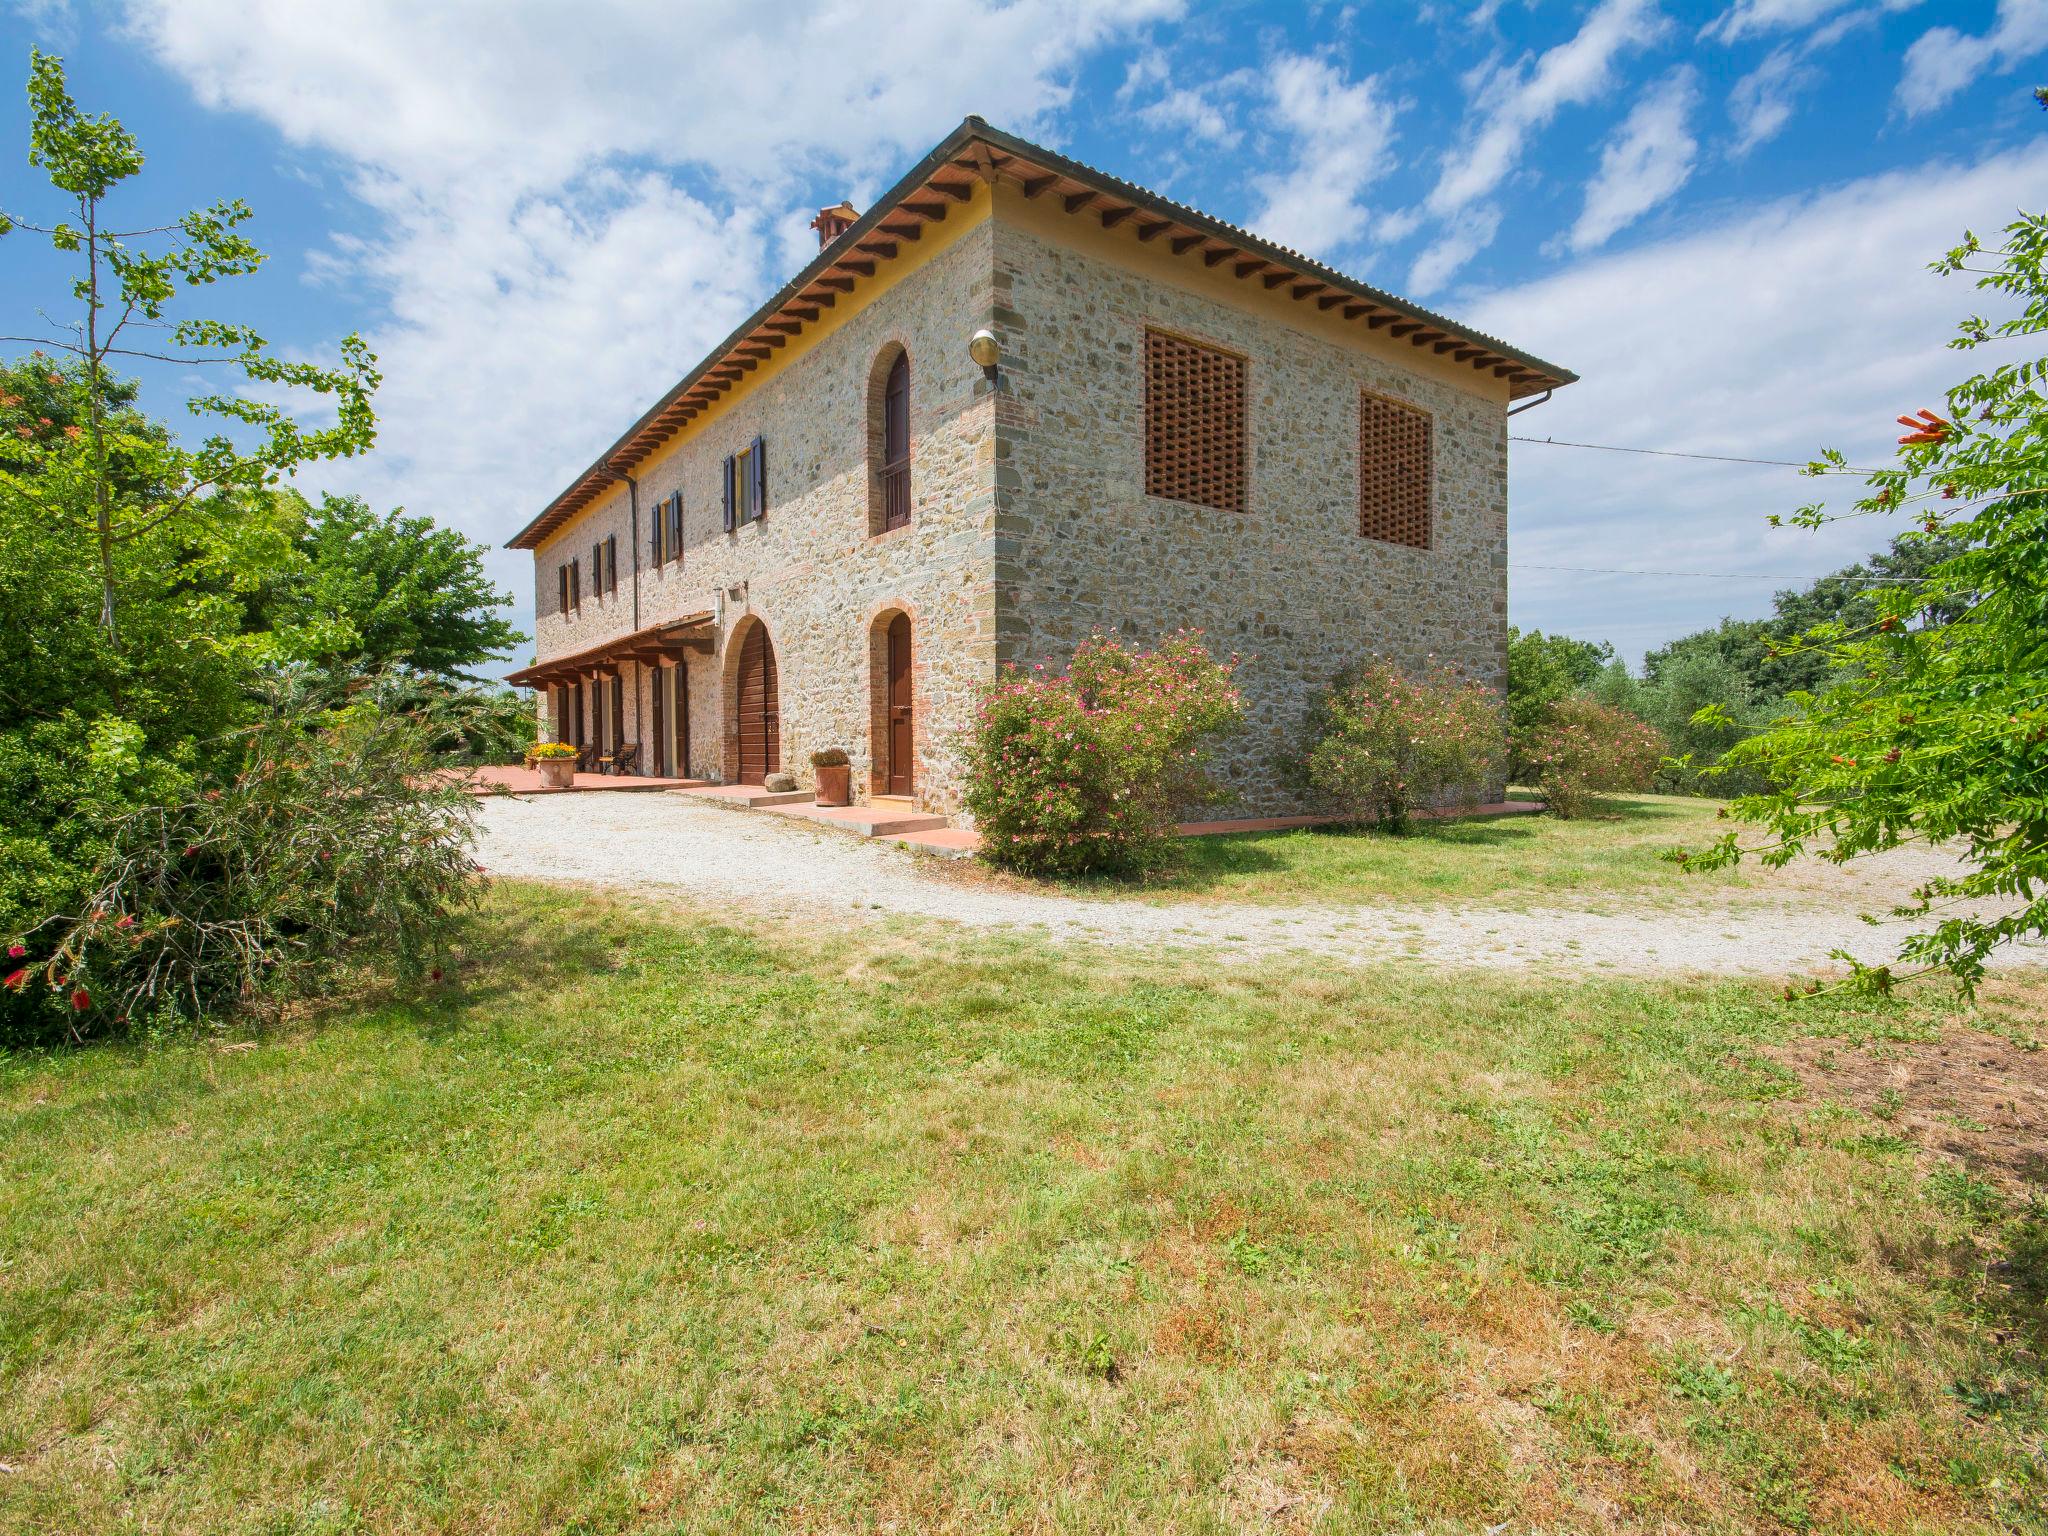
884,362
879,619
729,692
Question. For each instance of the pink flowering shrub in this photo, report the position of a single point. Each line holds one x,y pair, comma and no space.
1584,749
1383,744
1085,773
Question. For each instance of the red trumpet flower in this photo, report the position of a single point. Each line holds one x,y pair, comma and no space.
1924,427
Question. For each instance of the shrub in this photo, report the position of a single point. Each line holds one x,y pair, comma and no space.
339,837
1086,773
1382,744
1588,749
830,757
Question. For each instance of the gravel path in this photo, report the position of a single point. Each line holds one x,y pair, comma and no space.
777,867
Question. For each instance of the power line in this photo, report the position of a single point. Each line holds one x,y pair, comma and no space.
1605,570
1673,453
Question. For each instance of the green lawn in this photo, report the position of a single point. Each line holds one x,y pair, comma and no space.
1504,860
648,1224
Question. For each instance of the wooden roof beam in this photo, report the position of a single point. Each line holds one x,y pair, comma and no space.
837,284
1153,231
1331,301
787,327
1182,244
1034,185
1385,317
1405,328
1079,201
1424,336
1275,279
931,213
959,191
851,264
1466,354
1303,290
885,249
1247,268
902,229
1449,344
1111,217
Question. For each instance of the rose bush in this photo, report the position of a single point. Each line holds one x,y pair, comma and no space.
1586,749
1086,773
1383,744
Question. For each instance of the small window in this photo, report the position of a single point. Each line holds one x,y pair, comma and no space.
746,484
1394,472
1194,423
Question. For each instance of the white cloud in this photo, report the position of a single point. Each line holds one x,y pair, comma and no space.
1468,234
1752,18
1343,133
1750,338
572,203
1512,103
1646,161
1761,101
1942,60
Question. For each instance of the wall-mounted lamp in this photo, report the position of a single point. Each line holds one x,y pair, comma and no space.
985,350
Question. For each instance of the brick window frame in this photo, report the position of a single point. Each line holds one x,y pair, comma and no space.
1396,471
1197,437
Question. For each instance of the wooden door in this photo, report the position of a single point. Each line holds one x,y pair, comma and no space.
901,752
658,697
760,717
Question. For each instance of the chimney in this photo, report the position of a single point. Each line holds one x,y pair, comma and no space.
833,222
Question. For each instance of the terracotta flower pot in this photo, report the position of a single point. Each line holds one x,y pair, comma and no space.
835,784
557,772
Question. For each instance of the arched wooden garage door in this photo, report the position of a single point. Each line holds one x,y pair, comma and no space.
759,711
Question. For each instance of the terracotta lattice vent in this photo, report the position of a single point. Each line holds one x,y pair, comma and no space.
1194,423
1393,471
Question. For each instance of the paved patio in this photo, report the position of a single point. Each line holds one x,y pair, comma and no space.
498,779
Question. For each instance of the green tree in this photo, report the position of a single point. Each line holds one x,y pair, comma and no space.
1936,726
81,468
1542,669
372,589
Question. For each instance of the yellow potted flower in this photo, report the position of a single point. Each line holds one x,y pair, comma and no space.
556,763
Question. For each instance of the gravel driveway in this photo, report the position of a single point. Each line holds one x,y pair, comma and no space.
778,867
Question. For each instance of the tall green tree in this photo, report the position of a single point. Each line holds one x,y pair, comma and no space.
89,473
1936,727
371,589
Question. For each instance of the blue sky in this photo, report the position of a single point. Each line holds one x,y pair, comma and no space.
540,215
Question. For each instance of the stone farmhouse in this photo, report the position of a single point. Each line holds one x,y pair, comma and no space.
1015,401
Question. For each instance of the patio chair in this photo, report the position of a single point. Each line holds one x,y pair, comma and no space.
586,757
621,759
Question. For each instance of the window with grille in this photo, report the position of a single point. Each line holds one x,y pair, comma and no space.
1394,459
1194,423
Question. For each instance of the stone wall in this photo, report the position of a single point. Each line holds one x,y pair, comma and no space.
1288,584
810,570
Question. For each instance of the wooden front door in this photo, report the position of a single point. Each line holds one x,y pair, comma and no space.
759,715
901,752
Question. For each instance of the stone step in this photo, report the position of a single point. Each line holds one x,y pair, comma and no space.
867,820
747,797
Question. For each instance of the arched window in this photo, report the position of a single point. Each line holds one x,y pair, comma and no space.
889,441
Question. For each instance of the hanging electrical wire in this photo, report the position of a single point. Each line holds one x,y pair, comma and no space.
1674,453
